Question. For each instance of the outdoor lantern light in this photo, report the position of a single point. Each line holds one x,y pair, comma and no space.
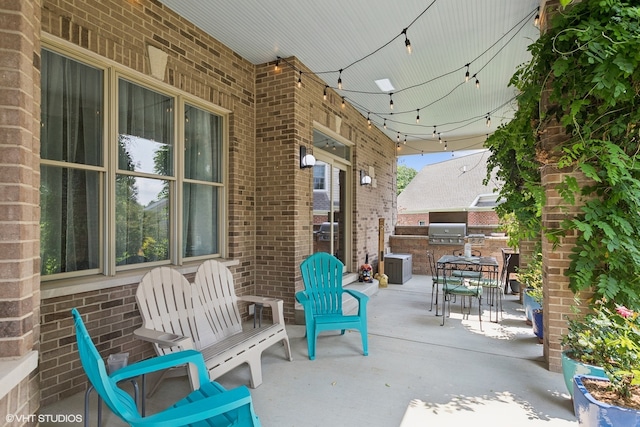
306,160
364,178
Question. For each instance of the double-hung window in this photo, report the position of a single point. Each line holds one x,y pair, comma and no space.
130,177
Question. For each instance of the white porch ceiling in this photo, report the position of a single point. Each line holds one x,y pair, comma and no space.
491,36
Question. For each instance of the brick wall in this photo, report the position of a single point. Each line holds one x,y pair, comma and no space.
199,65
473,218
417,246
19,199
270,201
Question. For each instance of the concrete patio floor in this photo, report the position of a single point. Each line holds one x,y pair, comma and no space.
417,373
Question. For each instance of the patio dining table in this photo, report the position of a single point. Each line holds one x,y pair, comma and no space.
486,268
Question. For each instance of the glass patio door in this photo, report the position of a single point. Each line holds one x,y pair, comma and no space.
328,209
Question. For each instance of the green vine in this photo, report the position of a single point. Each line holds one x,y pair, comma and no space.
587,66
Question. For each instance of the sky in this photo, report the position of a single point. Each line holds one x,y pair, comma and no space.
418,161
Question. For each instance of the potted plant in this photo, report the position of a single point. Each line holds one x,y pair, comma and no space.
531,278
609,337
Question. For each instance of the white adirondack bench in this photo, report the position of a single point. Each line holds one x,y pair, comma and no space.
178,315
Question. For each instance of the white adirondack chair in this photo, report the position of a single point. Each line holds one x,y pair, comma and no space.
178,315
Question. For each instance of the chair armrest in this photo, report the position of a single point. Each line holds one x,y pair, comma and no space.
362,301
276,305
164,362
199,410
163,339
362,298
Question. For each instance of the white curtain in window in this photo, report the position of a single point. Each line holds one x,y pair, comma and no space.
71,117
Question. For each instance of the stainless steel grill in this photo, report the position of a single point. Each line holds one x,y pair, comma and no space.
447,233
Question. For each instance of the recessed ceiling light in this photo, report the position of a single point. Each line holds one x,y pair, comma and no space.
385,85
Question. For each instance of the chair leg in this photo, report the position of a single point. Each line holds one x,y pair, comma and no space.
365,343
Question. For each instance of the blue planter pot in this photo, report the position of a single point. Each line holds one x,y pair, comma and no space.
529,305
593,413
538,325
572,367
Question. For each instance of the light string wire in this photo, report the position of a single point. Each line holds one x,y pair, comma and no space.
521,24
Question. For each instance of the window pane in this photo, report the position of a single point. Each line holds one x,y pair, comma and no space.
145,127
69,223
71,111
200,228
203,145
142,220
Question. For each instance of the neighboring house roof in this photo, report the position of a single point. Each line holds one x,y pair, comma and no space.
452,185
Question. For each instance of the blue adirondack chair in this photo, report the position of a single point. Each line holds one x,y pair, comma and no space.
208,405
322,300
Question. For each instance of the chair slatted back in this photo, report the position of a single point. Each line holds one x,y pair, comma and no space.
220,315
116,399
164,300
322,277
433,269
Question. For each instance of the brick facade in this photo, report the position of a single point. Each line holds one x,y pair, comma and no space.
269,220
19,203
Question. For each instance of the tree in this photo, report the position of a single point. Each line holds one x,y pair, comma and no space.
405,175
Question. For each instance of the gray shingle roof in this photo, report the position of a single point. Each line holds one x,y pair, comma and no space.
452,185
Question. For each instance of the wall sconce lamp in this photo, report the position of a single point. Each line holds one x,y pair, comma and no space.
306,160
364,178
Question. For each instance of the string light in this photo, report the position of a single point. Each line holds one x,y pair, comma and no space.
536,20
439,138
340,80
418,116
445,146
434,132
398,137
384,123
407,43
369,120
277,67
405,140
521,24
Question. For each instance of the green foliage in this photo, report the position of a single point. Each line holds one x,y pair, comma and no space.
531,277
588,62
608,337
405,175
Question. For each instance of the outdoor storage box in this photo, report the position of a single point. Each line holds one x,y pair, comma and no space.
398,267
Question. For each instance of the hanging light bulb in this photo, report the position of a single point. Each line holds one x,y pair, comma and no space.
445,146
477,82
324,95
488,120
384,123
439,138
300,80
340,80
369,120
398,137
536,20
391,100
407,43
277,67
418,116
466,75
434,132
343,103
405,140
